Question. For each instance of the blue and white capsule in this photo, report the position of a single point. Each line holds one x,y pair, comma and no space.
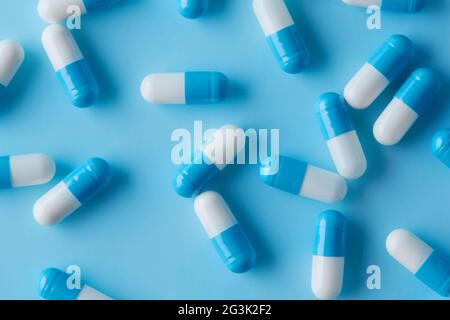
389,5
184,88
11,58
428,265
215,154
282,34
410,102
328,255
80,186
440,146
53,11
25,170
342,140
303,179
225,233
192,9
385,65
54,285
71,67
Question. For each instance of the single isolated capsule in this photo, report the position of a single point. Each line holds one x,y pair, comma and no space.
54,284
81,185
328,255
389,5
25,170
441,146
184,88
192,9
411,101
53,11
342,140
11,58
384,66
428,265
227,236
282,34
70,66
215,154
298,177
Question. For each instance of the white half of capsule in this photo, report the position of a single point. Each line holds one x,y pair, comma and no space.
164,88
365,86
273,15
11,58
213,213
363,3
348,155
89,293
394,122
60,46
53,11
327,276
31,169
55,205
323,185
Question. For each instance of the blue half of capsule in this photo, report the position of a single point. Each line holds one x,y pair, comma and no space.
290,175
435,273
53,285
192,9
5,172
440,146
204,87
333,115
329,238
402,5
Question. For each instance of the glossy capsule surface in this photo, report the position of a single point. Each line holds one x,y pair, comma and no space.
192,9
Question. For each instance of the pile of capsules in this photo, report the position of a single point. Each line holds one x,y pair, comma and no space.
386,64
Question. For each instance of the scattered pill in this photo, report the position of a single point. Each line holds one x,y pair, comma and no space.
54,284
11,58
217,152
328,255
300,178
441,146
411,101
70,66
342,140
192,9
390,5
184,88
384,66
25,170
428,265
282,34
76,189
227,236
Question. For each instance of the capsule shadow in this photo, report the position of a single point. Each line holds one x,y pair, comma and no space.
237,92
217,7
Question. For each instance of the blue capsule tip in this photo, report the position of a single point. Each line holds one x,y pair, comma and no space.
192,9
440,145
100,169
329,101
402,44
183,186
331,219
242,263
429,78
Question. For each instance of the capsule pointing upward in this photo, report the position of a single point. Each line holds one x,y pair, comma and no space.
441,146
11,58
192,9
394,5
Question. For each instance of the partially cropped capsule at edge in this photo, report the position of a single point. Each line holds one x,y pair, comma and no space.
225,233
341,137
389,5
80,186
282,35
192,9
72,69
328,255
25,170
440,146
303,179
414,97
184,87
385,65
54,285
11,58
427,264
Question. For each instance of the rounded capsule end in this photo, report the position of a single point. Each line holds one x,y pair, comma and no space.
440,145
267,171
331,219
329,101
402,44
295,64
428,78
52,285
100,170
242,263
183,186
192,9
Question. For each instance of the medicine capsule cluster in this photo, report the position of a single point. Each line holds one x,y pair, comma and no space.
386,65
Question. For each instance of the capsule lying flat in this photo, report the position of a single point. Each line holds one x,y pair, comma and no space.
53,285
70,66
192,9
53,11
390,5
282,34
227,236
440,146
25,170
80,186
428,265
11,58
342,140
184,88
410,102
300,178
384,66
328,255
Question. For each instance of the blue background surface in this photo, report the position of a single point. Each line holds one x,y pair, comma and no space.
139,239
